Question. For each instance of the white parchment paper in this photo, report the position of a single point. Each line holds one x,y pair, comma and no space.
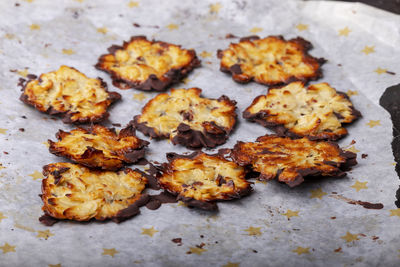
38,36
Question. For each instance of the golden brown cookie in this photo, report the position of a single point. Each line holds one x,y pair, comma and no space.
69,94
188,119
74,192
270,61
290,160
317,111
147,65
200,179
99,147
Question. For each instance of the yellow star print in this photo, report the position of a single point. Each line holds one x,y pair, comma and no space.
44,234
29,1
55,265
291,213
149,231
301,250
23,73
255,231
256,29
231,264
351,93
344,32
3,131
9,36
7,248
350,237
317,193
196,250
172,26
302,27
380,70
373,123
34,27
2,216
68,51
133,4
214,8
102,30
1,166
36,175
110,251
139,96
368,49
205,54
395,212
352,149
359,185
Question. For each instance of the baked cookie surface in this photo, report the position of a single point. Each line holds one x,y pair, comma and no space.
317,111
270,61
99,147
70,94
188,119
74,192
201,179
290,160
147,65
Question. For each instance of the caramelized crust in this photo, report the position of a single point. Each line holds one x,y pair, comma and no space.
147,65
317,111
271,60
188,119
99,147
73,192
290,160
201,179
69,93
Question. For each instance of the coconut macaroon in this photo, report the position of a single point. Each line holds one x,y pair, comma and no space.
200,179
69,94
74,192
290,160
317,111
188,119
99,147
270,61
147,65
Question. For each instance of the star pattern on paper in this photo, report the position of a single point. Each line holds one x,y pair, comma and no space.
256,29
317,193
205,54
34,27
9,36
196,250
359,185
36,175
133,4
3,131
344,32
231,264
253,231
149,231
380,71
55,265
368,50
102,30
2,216
29,1
172,26
352,149
301,250
80,1
351,93
214,8
291,213
395,212
7,248
1,166
68,51
373,123
139,96
302,27
110,251
349,237
44,234
23,73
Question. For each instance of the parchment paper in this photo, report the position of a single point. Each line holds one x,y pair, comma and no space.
274,226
